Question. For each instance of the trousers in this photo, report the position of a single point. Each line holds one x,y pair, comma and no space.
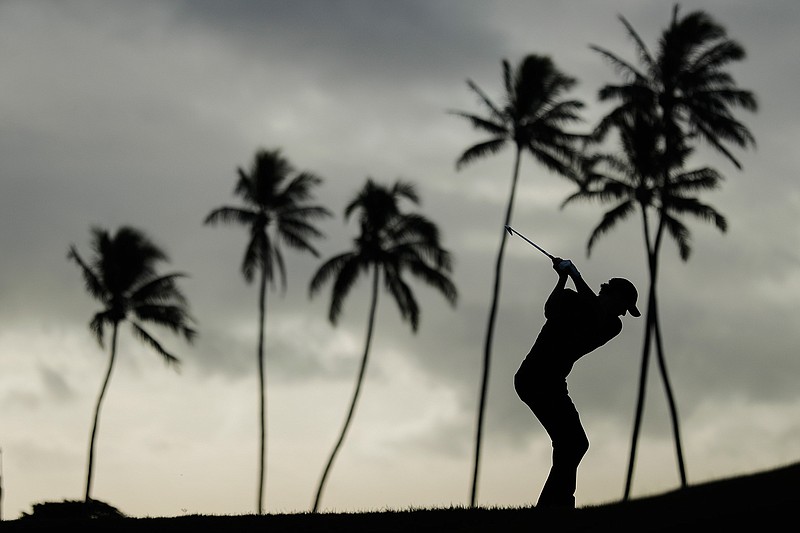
553,407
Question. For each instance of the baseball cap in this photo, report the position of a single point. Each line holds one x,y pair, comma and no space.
628,292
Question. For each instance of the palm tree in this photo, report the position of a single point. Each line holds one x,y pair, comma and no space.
390,244
275,211
532,118
685,84
689,96
632,181
122,276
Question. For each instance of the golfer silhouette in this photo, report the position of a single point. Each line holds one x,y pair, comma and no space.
578,322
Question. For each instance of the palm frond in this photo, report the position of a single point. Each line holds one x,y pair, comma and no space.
411,226
717,55
173,317
508,83
703,179
561,114
559,160
617,116
610,219
228,215
487,125
422,250
481,150
680,233
641,48
345,279
403,297
298,190
329,269
148,339
256,254
716,128
296,235
133,246
305,213
277,257
694,207
485,100
97,326
626,69
246,187
92,282
407,190
159,289
435,278
580,195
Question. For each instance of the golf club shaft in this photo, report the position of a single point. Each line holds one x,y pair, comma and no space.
512,231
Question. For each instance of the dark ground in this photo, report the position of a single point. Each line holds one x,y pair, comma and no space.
768,500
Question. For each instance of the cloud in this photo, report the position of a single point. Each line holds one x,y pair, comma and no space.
56,385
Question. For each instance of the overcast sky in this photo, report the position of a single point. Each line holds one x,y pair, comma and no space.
139,113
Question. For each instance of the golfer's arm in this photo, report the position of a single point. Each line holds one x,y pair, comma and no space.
560,284
581,286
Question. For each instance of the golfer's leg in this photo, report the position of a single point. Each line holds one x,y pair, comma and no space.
569,446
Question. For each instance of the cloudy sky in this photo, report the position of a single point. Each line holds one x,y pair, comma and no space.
139,113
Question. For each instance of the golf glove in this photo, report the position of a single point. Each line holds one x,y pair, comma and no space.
568,267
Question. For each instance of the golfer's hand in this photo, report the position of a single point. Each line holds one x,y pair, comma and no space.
565,267
560,265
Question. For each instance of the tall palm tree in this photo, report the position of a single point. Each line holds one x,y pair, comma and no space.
122,275
634,180
690,96
532,118
390,244
275,210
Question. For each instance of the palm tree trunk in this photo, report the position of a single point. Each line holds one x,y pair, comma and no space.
653,327
641,394
90,467
673,410
356,392
487,349
262,317
637,422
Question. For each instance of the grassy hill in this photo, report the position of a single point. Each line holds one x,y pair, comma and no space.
766,499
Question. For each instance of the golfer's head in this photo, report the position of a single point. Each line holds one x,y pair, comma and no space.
624,292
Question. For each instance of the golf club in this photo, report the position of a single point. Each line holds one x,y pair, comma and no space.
512,231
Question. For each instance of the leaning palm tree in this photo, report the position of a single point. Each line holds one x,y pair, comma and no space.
275,211
122,275
532,118
390,244
691,96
